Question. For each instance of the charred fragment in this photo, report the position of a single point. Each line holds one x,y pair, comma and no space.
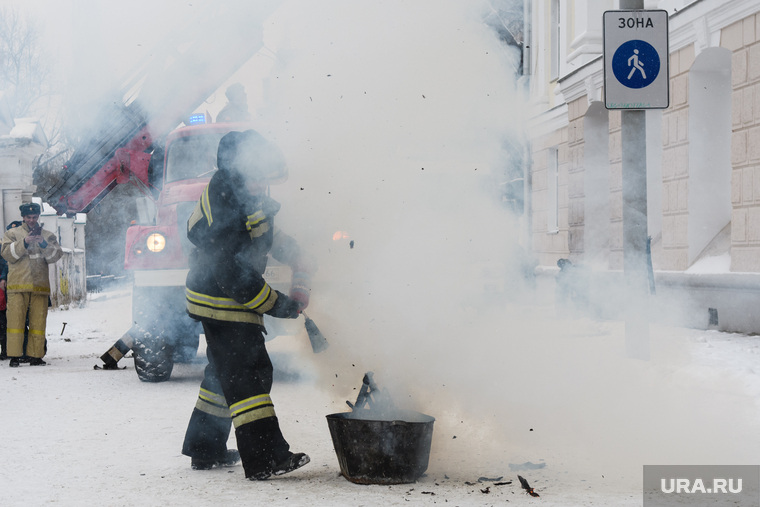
490,479
527,487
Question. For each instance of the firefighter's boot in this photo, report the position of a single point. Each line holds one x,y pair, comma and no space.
206,441
264,450
230,458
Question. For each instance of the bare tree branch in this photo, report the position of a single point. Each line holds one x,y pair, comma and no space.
24,73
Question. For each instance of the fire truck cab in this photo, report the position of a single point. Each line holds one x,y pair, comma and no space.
157,252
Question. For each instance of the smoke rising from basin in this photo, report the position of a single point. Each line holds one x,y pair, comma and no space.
393,125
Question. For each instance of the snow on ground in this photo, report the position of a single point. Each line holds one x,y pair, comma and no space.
73,436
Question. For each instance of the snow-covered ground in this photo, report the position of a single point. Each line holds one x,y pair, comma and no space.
74,436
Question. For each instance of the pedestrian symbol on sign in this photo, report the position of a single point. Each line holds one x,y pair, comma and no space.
636,64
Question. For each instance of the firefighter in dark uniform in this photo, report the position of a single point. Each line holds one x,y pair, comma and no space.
232,230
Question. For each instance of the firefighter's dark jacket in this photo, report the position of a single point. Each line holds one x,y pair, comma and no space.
232,232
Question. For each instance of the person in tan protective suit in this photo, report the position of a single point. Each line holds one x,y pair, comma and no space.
29,250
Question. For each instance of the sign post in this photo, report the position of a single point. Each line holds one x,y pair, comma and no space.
636,78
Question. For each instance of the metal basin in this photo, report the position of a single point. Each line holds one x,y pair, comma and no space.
394,450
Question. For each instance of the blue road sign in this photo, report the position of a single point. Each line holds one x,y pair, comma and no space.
636,64
636,59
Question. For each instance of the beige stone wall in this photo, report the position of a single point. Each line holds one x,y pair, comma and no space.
743,39
674,251
575,178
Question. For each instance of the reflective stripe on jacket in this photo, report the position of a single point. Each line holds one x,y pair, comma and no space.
232,232
28,267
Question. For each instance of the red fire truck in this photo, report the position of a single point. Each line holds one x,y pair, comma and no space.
137,142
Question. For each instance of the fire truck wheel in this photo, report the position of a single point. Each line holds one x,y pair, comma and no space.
153,362
186,348
185,354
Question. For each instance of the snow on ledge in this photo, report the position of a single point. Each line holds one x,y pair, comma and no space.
714,264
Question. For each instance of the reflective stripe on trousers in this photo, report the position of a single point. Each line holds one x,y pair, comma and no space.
37,306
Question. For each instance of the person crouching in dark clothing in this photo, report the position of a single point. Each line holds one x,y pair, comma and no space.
232,230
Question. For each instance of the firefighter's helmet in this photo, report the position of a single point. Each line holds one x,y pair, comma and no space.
252,156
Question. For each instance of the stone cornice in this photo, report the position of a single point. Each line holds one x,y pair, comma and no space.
548,121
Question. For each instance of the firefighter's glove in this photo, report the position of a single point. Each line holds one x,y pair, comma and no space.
285,307
300,288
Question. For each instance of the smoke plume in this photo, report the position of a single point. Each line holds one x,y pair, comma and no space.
394,117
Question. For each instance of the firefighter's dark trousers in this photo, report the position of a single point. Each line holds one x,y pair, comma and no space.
235,389
18,305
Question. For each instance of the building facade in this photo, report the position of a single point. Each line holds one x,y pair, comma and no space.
702,158
22,141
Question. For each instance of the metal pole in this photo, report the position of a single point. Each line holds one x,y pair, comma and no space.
631,4
635,232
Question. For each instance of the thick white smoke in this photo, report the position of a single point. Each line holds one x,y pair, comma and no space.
392,115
